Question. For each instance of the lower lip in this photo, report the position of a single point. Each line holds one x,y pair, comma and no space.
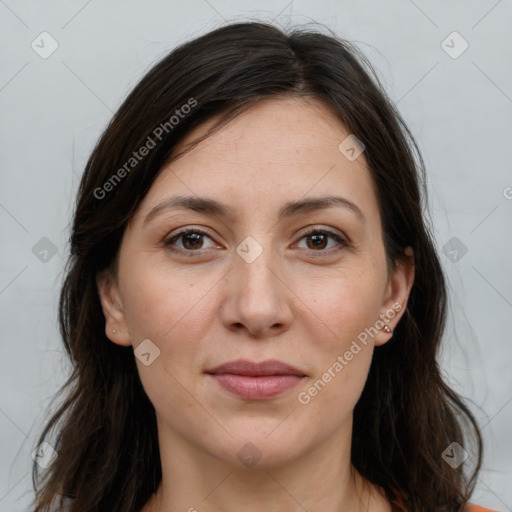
257,388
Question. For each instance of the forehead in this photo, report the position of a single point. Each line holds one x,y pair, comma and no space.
279,150
290,123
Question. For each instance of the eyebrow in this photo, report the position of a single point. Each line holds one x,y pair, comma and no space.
214,208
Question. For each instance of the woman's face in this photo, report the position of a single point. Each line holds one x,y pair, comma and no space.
256,287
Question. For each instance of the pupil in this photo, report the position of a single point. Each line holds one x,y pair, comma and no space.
317,240
196,238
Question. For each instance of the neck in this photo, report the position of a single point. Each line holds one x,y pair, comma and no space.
321,479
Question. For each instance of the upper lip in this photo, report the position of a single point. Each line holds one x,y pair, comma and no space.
253,369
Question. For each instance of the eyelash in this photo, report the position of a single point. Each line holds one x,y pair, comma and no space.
314,231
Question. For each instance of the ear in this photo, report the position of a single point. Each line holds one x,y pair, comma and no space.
396,295
112,309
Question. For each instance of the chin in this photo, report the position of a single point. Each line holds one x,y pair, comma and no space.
265,448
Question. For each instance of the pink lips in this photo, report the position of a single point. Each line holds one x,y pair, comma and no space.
256,381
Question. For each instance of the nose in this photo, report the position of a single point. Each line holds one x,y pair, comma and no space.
257,297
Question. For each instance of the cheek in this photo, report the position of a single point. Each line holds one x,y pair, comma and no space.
342,362
170,311
167,308
341,305
349,308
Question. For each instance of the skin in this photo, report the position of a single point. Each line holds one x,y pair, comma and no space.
287,304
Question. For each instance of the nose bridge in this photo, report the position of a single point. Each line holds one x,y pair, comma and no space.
257,296
255,267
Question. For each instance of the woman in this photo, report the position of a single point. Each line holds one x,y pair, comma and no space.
253,303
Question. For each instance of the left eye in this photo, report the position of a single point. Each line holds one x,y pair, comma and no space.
319,238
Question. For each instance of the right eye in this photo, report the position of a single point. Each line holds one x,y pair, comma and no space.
191,241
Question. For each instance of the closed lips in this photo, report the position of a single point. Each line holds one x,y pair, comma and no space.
252,369
256,381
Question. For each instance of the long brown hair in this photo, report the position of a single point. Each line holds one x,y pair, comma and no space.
106,435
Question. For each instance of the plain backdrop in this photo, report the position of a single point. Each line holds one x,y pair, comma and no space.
447,64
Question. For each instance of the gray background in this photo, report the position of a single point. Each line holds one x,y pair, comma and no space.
53,109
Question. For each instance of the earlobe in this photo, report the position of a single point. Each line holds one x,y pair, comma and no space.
115,324
396,296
